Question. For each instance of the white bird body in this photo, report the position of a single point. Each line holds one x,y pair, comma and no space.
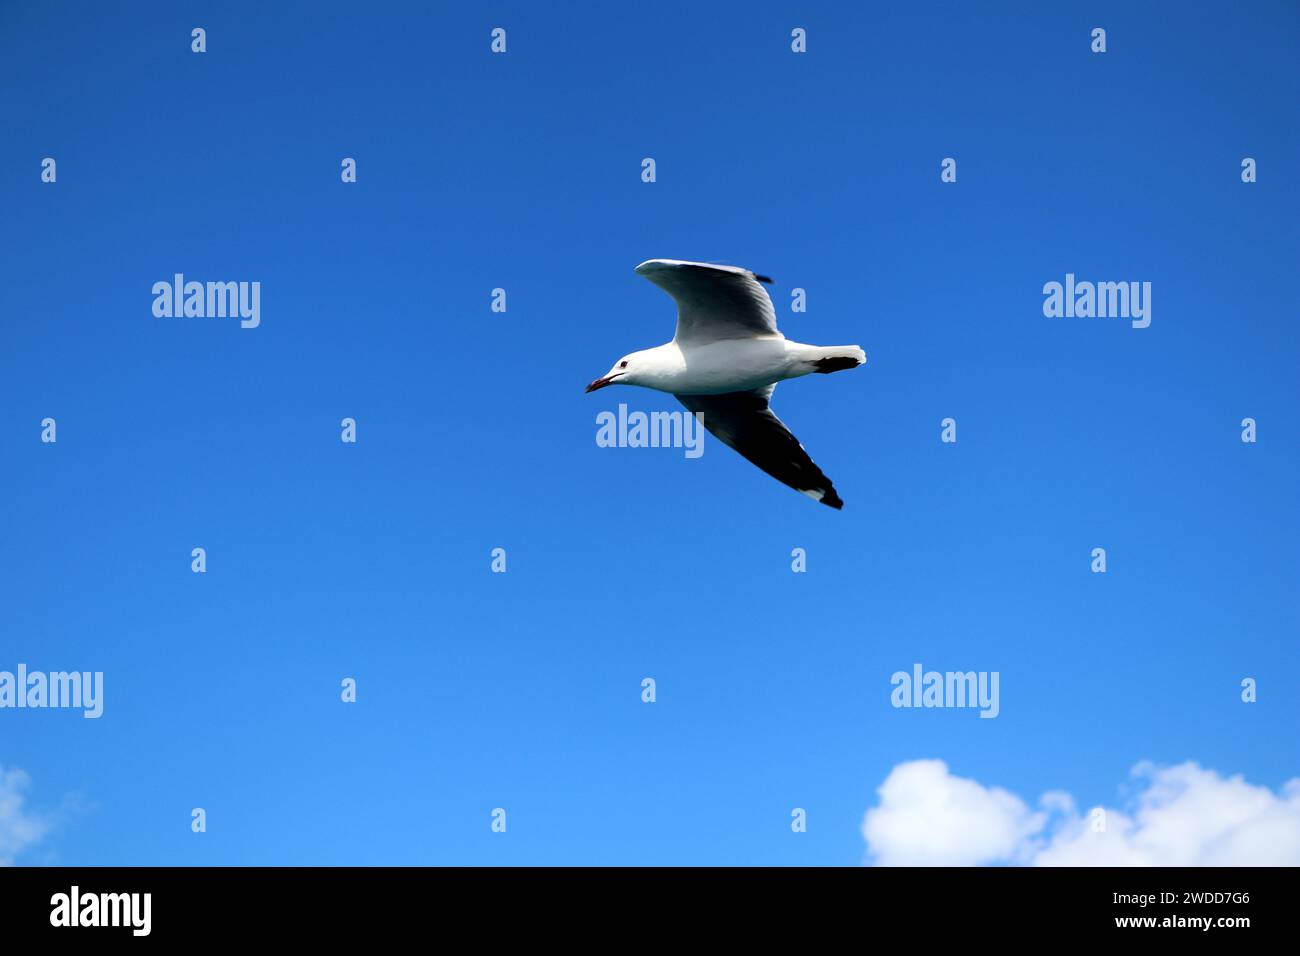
729,365
724,362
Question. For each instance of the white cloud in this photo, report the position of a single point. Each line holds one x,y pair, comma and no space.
1178,816
927,817
19,829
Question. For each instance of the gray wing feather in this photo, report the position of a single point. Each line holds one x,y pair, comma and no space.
713,302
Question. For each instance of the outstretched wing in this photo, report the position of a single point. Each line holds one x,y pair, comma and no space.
744,421
713,302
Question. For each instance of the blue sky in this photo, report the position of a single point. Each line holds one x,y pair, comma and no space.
522,171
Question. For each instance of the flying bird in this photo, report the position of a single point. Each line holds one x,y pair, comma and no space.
724,363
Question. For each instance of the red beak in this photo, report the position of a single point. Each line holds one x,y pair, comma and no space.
600,383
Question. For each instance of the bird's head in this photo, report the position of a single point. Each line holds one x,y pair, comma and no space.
624,372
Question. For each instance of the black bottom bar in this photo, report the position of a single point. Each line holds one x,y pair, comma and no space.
333,905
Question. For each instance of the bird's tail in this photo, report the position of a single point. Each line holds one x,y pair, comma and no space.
835,358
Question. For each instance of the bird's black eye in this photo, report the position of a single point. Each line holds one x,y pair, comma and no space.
623,364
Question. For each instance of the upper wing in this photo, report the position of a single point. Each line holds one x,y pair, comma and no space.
744,421
713,302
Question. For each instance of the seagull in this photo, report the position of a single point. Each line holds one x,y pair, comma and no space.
724,362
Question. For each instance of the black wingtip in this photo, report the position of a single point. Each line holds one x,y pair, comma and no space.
826,496
762,278
836,363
